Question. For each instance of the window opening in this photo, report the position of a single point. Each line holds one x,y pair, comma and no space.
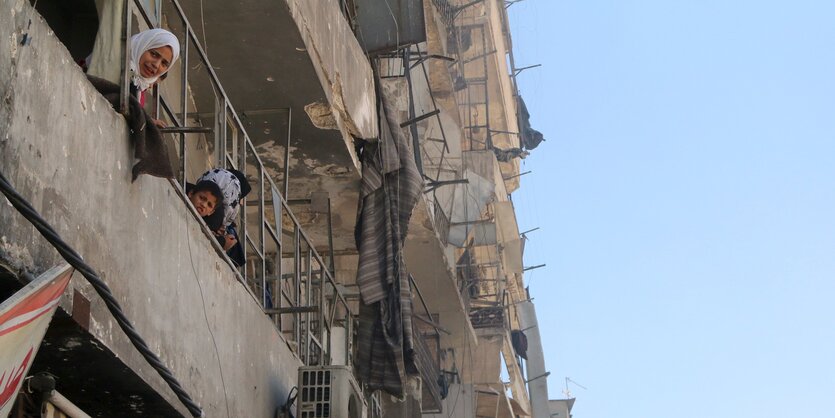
74,22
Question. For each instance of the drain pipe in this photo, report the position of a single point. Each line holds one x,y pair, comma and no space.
64,404
538,384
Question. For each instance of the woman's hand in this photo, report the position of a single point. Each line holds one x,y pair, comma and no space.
160,123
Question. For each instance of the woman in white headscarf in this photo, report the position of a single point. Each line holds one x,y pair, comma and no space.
152,53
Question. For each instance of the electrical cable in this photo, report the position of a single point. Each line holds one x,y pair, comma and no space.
76,261
203,29
455,404
396,25
208,326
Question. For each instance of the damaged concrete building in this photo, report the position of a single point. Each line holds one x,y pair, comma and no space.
383,272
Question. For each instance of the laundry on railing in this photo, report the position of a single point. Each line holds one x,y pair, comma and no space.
149,146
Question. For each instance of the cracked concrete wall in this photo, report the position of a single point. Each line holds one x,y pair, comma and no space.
342,67
68,153
339,181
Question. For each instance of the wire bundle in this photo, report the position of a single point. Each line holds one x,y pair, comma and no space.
75,260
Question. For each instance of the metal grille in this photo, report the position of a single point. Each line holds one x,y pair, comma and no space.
315,394
441,223
429,369
487,317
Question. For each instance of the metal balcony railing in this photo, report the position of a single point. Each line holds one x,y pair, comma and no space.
467,42
427,345
427,351
283,272
409,63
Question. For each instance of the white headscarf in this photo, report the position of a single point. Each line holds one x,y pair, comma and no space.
145,40
231,188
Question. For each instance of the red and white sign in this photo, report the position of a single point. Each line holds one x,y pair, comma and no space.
24,318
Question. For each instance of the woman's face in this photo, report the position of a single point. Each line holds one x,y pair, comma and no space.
155,61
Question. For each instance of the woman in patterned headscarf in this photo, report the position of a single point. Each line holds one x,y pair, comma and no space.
231,188
234,186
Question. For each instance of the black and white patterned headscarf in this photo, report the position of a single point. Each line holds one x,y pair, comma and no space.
231,188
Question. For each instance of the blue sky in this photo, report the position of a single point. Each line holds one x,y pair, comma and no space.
686,199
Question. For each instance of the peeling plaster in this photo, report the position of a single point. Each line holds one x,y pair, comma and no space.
272,153
338,101
339,106
348,127
330,170
321,116
17,256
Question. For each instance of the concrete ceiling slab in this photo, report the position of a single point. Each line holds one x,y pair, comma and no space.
260,55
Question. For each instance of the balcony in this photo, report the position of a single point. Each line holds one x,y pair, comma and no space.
298,55
70,155
475,33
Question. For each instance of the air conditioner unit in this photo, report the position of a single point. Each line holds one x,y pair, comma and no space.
329,392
